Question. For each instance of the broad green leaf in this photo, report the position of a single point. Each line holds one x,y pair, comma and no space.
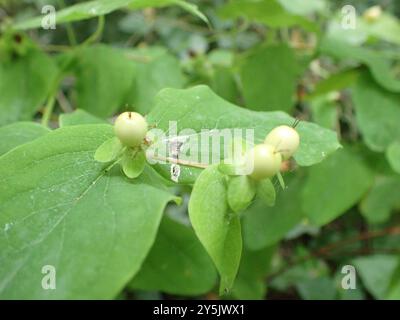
266,192
221,58
108,150
264,226
393,155
60,207
335,185
189,7
324,111
156,69
105,77
386,27
269,78
309,270
393,292
335,82
198,108
133,163
321,288
375,272
224,84
78,117
358,293
255,265
19,133
378,64
218,230
25,83
177,263
381,199
269,12
91,9
241,191
304,7
335,31
229,169
377,112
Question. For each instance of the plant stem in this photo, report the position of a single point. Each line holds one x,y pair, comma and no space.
71,34
97,34
327,250
70,30
180,161
48,109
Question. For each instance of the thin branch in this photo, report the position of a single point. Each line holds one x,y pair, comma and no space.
48,110
327,250
179,161
63,102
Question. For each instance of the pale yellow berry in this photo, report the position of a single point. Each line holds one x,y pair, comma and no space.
130,128
284,139
265,161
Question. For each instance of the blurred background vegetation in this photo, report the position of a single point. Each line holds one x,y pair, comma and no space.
288,55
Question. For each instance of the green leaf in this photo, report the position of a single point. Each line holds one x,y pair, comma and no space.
266,192
224,84
25,83
335,82
255,265
304,7
393,155
376,272
381,199
218,230
353,294
199,108
393,292
280,180
324,111
241,191
91,9
378,64
60,207
19,133
301,273
177,263
105,77
386,27
264,226
377,113
156,69
335,185
322,288
78,117
133,163
108,150
334,31
269,77
269,12
189,7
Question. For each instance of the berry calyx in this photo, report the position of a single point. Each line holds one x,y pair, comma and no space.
284,139
266,161
130,128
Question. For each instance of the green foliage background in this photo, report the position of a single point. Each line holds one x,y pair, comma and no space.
207,64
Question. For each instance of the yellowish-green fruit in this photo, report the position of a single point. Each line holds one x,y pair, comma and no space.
284,139
265,161
130,128
372,14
